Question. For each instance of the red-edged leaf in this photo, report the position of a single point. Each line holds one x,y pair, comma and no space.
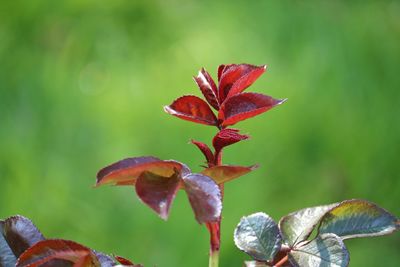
233,73
225,173
123,261
207,87
158,192
246,80
220,71
205,150
126,171
52,250
20,233
245,105
192,108
227,137
204,197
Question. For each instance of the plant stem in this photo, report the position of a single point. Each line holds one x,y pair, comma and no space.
215,227
282,261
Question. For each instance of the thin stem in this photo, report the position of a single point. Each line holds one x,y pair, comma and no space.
282,261
215,227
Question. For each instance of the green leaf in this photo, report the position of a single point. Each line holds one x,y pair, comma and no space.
358,218
326,250
258,235
297,226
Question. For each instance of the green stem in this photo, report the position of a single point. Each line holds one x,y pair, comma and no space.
214,258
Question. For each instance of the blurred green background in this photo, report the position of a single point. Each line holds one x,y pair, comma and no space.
82,84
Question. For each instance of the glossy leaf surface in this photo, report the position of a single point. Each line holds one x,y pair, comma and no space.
297,226
245,105
193,109
205,150
204,197
237,77
20,233
128,170
246,80
227,137
258,235
47,251
225,173
157,192
7,257
358,218
207,87
326,250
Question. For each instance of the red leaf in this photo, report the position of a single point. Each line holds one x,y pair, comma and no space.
243,74
225,173
126,262
245,105
227,137
207,87
47,251
220,71
205,150
20,233
204,197
158,192
193,109
125,172
246,80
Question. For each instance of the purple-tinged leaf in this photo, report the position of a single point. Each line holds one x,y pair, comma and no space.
7,257
259,236
207,87
298,226
237,77
227,137
325,250
225,173
204,197
125,172
193,109
205,150
245,105
358,218
104,260
52,250
157,192
19,233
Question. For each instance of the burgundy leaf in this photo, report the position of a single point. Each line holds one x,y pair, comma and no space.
204,197
205,150
20,233
220,71
193,109
157,192
126,262
46,251
245,74
225,173
246,80
207,87
227,137
245,105
125,172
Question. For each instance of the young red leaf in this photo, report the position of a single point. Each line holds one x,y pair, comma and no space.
193,109
205,150
126,171
244,74
225,173
204,197
20,233
220,71
207,87
52,250
126,262
227,137
245,105
157,192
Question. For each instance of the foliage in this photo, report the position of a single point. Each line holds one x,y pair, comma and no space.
288,243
